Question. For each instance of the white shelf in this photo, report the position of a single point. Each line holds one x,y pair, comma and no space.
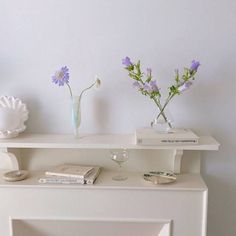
93,141
185,182
187,194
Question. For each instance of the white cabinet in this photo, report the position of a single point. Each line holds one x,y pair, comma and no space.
131,207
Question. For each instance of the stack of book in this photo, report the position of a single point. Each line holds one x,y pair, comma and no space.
148,136
71,174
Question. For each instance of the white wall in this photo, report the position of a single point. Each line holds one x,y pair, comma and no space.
91,37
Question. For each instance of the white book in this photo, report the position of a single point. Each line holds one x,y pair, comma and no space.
148,136
90,179
73,171
60,180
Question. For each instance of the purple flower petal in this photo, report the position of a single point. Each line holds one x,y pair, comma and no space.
61,77
194,65
147,88
137,85
126,61
185,86
153,85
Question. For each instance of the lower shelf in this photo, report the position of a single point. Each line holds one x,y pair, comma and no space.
178,209
185,182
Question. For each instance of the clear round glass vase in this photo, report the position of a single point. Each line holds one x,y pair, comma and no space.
76,114
163,122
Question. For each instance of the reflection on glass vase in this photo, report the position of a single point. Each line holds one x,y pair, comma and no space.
163,122
76,114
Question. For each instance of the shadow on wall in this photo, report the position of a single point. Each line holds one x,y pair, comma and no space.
221,205
39,115
220,179
101,114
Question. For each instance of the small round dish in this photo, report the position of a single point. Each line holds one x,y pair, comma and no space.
15,175
160,177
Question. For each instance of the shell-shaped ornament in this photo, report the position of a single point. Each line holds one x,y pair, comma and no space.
13,114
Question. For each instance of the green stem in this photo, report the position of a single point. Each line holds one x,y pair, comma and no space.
69,90
163,108
87,89
162,112
138,78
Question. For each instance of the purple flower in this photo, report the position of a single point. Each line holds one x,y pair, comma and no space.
61,77
184,86
126,61
153,85
147,88
137,85
194,65
149,72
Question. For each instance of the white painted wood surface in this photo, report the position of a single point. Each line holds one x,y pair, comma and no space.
185,182
179,209
91,227
92,141
185,209
106,141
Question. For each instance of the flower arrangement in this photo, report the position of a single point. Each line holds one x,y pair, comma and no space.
145,84
61,78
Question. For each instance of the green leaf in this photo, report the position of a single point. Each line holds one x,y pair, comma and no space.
177,76
138,68
149,78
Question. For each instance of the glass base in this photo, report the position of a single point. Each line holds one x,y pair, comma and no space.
76,133
120,177
163,122
161,128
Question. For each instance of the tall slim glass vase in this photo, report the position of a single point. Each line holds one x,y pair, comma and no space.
76,114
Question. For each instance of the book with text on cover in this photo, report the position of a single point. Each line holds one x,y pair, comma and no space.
89,179
148,136
73,171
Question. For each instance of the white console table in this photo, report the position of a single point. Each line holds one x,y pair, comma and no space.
132,207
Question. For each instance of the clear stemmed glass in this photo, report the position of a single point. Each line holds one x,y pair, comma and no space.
120,157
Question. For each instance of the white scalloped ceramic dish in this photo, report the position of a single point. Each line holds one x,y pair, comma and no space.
13,114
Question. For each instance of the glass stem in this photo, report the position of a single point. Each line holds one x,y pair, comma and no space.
120,169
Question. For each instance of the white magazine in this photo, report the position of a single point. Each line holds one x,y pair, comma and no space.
90,179
73,171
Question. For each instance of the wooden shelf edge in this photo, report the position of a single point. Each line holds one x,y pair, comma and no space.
96,141
185,182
